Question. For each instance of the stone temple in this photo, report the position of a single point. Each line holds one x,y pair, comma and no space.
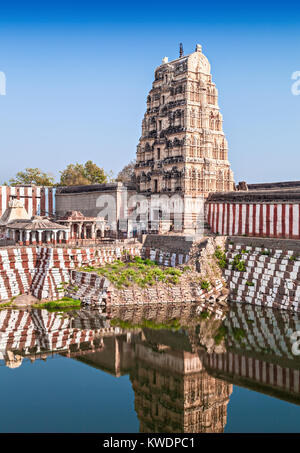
183,149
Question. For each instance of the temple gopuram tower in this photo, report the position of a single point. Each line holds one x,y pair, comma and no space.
183,149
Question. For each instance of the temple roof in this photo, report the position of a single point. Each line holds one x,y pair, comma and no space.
75,215
95,188
37,223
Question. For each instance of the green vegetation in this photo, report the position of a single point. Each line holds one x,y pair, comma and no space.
244,251
205,284
73,174
221,257
249,283
221,333
238,264
6,304
171,324
9,303
265,252
32,176
142,272
238,334
204,315
293,258
65,302
186,269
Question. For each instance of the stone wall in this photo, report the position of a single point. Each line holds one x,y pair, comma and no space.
42,270
272,273
168,250
91,200
96,290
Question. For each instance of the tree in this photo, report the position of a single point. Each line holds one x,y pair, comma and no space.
79,174
32,176
127,173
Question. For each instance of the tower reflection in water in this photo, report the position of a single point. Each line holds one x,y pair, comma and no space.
182,373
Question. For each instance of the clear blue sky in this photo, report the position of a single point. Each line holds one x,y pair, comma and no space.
78,74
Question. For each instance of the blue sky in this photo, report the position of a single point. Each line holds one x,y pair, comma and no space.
78,74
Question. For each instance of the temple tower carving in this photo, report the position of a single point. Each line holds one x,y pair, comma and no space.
183,148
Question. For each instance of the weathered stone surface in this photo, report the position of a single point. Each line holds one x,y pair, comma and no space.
25,300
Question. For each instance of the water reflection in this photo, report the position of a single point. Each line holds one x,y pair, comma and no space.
182,374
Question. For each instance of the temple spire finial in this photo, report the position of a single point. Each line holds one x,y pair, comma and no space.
180,50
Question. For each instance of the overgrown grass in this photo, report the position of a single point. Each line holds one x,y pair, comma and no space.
65,302
5,304
171,324
9,303
142,272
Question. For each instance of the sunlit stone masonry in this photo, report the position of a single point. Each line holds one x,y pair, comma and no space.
183,149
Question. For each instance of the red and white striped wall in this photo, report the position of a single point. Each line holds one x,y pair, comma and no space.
42,270
21,330
37,200
256,370
277,220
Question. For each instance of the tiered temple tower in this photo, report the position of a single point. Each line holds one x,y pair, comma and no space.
174,393
183,148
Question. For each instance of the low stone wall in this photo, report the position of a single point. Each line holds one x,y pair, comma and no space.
165,258
43,270
271,280
93,289
17,268
90,288
172,250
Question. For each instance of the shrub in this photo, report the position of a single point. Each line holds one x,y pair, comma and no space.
240,267
204,315
205,284
238,333
238,264
221,257
222,331
186,269
293,258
